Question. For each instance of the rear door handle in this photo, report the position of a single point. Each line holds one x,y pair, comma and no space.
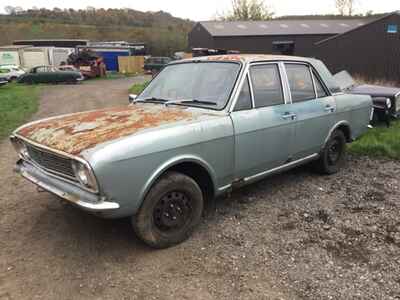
288,115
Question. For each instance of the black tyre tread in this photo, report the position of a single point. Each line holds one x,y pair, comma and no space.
321,165
142,222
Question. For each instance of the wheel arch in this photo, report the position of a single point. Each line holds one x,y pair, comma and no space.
344,126
195,167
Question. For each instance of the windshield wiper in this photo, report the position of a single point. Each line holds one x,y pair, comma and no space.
153,100
195,101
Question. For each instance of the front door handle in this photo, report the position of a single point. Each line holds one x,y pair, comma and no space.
288,115
329,108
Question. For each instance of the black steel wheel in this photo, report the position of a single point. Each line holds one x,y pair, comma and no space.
333,156
170,211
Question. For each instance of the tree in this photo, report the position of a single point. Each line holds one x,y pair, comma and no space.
10,10
248,10
345,7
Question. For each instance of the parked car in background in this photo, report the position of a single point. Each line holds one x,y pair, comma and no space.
70,68
50,74
154,64
10,72
3,82
200,128
386,100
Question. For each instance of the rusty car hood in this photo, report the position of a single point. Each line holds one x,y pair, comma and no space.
82,131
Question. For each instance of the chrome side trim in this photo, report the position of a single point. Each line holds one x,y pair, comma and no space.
224,188
60,153
281,168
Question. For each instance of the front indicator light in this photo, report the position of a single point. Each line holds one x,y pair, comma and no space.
85,175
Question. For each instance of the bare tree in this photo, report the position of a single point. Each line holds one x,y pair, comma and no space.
10,10
248,10
345,7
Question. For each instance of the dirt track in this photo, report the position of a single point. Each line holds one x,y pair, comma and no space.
295,235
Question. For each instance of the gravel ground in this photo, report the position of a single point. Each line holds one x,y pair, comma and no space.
296,235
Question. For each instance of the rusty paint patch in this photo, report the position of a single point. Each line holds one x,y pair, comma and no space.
233,57
78,132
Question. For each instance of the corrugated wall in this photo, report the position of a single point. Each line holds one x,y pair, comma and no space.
304,44
369,51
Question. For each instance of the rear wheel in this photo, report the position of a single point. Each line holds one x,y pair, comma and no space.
170,211
333,156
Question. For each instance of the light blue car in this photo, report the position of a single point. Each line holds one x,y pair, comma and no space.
201,127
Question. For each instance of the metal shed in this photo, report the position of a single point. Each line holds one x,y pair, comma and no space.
109,55
371,50
63,43
291,37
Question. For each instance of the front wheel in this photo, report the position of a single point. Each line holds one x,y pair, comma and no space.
170,211
333,156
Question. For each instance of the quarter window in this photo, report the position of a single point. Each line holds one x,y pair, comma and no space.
267,85
244,99
300,82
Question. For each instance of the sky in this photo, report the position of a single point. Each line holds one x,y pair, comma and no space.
198,10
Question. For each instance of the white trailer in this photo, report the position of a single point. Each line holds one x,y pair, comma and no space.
12,55
37,56
60,55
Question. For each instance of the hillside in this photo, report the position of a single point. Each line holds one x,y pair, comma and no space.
162,32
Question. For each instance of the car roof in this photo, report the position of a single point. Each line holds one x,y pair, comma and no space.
248,58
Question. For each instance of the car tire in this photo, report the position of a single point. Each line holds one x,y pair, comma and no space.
333,155
171,210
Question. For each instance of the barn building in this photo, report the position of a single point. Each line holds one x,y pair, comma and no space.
366,47
371,51
290,37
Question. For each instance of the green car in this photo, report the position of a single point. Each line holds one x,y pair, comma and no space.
156,64
49,74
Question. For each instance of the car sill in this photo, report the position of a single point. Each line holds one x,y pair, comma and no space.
281,168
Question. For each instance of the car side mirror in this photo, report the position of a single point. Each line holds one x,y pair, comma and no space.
132,98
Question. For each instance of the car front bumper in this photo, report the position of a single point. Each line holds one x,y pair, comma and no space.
83,199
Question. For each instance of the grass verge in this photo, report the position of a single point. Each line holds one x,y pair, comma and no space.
138,88
17,103
379,142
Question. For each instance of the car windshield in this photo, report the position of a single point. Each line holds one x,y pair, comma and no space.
206,84
344,80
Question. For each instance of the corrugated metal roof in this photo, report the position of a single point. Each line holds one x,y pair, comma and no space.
356,28
281,27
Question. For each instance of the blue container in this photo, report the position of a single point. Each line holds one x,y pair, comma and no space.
111,58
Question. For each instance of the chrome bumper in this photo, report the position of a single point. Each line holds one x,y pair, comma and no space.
83,199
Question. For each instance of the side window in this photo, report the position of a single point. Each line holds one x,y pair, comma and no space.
300,82
244,99
321,92
267,85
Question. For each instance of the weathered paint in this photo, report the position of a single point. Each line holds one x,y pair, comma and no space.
77,132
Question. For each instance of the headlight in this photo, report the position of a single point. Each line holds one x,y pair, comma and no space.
85,175
388,103
20,147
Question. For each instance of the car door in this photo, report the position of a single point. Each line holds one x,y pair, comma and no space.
40,75
263,128
313,107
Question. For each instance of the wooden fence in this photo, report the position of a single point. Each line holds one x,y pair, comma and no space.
130,64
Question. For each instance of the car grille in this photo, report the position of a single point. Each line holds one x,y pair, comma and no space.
51,162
